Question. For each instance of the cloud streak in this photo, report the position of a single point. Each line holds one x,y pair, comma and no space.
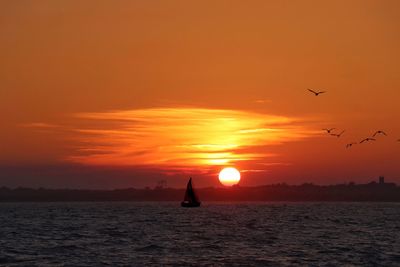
181,137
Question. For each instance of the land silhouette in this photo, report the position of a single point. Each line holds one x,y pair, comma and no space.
373,191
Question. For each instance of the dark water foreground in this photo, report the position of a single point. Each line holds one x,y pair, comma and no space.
240,234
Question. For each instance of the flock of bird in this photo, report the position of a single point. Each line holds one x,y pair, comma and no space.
349,145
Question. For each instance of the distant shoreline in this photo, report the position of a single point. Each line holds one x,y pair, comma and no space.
371,192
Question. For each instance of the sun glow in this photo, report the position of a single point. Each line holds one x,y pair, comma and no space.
229,176
176,138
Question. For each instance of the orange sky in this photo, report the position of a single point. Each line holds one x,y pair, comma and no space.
124,93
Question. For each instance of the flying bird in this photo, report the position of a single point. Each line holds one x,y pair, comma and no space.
328,130
379,132
350,145
367,140
338,135
316,93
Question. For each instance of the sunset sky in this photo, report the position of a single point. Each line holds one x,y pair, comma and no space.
111,94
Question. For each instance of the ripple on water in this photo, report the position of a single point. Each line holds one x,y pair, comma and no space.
137,234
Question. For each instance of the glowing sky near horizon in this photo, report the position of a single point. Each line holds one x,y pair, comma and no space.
182,137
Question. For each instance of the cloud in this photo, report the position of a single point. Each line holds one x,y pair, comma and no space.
262,101
39,125
181,138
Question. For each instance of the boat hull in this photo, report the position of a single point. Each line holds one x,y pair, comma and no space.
190,204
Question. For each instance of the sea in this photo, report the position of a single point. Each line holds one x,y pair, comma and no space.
216,234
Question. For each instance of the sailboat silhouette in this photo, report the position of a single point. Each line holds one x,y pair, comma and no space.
191,199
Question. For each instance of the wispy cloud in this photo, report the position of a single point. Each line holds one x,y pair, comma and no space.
39,125
262,101
181,137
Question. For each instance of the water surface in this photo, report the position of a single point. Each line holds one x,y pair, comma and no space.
228,234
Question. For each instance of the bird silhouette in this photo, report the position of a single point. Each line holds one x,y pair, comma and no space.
350,145
316,93
379,132
367,140
338,135
328,130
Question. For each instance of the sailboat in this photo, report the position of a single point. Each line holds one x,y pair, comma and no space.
191,199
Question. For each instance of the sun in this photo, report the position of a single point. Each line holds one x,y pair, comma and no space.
229,176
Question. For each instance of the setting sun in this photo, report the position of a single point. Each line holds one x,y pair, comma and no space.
229,176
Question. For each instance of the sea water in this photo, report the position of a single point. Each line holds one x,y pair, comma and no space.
218,234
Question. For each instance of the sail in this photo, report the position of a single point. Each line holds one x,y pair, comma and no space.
187,193
191,199
190,195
